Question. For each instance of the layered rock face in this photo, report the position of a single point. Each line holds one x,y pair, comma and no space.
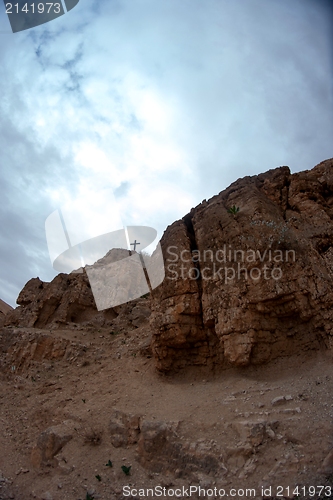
68,301
4,309
248,286
241,287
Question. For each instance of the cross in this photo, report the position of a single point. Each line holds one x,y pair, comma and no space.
135,244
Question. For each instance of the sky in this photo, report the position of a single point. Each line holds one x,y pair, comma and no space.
137,110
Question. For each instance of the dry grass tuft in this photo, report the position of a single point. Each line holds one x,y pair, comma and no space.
92,436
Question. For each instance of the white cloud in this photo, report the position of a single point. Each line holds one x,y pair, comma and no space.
173,100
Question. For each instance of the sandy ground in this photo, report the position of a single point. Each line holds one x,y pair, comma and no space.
116,371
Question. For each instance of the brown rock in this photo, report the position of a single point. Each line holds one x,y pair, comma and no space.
255,432
124,429
327,466
21,348
248,287
68,300
160,449
279,400
240,288
49,443
4,309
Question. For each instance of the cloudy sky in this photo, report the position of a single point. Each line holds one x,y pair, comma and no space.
159,104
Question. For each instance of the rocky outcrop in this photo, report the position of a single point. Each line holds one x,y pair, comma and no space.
20,349
246,286
248,278
124,428
236,449
160,448
68,301
4,309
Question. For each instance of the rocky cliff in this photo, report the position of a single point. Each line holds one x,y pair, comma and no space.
248,278
83,411
249,273
67,301
4,309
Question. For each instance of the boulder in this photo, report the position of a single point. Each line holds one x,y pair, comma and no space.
161,450
124,428
49,444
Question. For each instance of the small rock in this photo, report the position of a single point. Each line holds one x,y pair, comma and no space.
49,443
279,400
46,496
270,432
327,465
205,483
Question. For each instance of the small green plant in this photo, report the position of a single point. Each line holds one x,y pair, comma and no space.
84,400
109,464
98,477
126,470
233,210
89,497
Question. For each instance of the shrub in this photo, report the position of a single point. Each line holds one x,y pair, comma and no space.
126,470
233,210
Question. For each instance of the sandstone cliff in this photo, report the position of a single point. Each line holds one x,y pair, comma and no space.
68,301
248,286
81,401
242,286
4,309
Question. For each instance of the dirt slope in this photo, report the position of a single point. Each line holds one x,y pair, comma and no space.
223,431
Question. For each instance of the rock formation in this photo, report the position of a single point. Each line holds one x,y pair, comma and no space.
248,278
248,286
68,301
85,415
4,309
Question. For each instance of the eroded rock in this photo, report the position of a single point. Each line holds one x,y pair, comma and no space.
49,444
4,309
124,429
327,466
248,287
67,301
